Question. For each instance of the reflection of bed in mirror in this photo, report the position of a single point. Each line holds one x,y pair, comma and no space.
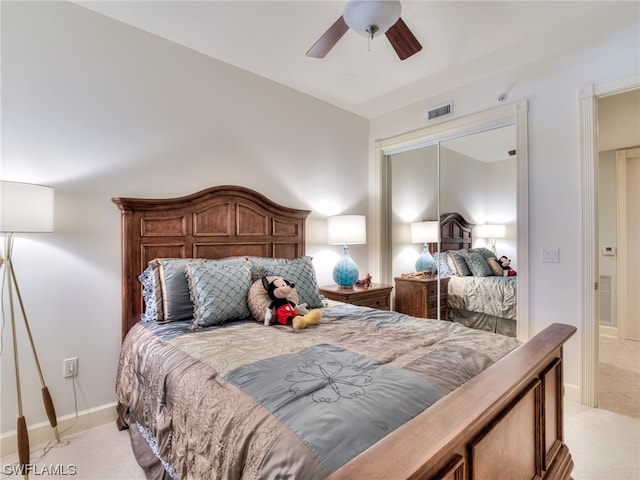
478,295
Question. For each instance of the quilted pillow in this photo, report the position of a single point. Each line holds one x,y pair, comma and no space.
148,295
300,272
477,264
443,266
258,299
258,264
484,251
218,291
457,262
173,302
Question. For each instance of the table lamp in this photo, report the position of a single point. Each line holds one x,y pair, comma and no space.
346,229
492,232
425,232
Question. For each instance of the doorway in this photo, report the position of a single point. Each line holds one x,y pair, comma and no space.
587,111
618,263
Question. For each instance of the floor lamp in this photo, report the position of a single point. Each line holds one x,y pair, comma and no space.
24,207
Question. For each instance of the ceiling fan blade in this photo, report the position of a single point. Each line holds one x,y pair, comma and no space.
402,40
328,40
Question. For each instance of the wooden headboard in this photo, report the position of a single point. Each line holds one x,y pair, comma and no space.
455,232
218,222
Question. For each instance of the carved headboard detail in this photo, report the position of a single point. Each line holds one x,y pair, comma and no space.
455,232
217,222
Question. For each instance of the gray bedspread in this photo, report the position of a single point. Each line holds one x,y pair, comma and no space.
496,296
247,401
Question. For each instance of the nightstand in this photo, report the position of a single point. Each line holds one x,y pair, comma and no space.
419,296
378,295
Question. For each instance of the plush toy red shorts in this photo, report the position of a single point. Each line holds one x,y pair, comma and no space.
284,314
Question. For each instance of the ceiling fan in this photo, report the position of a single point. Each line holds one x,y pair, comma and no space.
369,18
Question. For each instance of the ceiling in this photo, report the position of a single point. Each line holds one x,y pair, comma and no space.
486,146
461,41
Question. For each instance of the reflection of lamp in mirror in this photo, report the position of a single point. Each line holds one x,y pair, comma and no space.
346,229
492,232
24,207
425,232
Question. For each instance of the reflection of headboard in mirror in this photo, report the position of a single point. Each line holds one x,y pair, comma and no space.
455,232
218,222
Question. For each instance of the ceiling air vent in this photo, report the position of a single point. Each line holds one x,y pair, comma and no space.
444,110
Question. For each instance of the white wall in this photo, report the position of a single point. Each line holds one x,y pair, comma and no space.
98,109
555,209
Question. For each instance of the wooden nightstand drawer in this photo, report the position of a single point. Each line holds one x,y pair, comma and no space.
419,296
375,302
432,288
378,295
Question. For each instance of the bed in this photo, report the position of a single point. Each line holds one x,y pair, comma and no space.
194,398
478,295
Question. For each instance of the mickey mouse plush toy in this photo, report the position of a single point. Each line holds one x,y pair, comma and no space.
506,267
284,310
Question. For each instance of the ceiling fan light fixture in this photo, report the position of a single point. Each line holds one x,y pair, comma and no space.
371,18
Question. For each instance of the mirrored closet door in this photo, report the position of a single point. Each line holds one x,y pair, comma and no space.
475,171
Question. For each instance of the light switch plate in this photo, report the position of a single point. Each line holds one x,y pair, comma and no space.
550,255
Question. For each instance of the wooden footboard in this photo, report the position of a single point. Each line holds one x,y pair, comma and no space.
505,423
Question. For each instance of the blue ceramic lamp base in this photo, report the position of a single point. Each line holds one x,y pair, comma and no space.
426,262
346,272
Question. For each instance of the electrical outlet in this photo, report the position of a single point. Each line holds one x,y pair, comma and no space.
70,367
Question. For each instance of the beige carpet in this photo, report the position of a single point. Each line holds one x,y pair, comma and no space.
101,453
619,376
604,446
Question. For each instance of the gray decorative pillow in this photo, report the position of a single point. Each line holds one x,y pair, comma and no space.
301,273
477,264
219,292
173,302
458,263
171,289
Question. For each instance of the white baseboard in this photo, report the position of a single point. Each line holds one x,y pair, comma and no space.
572,393
608,331
42,433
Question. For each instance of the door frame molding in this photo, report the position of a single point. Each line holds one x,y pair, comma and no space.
588,149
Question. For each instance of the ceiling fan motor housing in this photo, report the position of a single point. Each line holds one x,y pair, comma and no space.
363,16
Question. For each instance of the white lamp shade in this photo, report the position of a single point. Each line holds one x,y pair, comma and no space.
492,231
424,232
349,229
360,14
25,207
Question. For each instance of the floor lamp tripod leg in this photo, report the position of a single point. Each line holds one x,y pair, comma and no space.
21,424
46,397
